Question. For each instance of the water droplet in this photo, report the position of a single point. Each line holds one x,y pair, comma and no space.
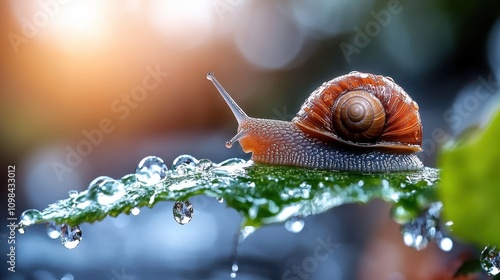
445,244
72,193
295,224
109,191
183,212
53,230
183,169
449,224
70,236
29,217
204,165
490,260
234,269
21,230
186,160
220,199
232,161
389,78
245,232
402,214
151,170
435,209
414,105
135,211
83,204
418,232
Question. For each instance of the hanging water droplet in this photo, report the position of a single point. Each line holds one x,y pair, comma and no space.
245,232
135,211
234,269
418,232
183,212
295,224
53,230
109,191
29,217
72,193
220,199
151,170
490,260
21,229
70,236
187,160
435,209
402,214
204,165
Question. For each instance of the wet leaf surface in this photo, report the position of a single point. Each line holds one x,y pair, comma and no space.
262,194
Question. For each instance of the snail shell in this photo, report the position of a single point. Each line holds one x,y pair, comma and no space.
362,110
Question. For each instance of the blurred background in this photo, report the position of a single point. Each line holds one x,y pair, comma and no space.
89,88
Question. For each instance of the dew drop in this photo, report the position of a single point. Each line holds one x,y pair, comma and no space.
490,260
83,204
186,160
53,230
70,236
21,230
72,193
204,165
245,232
445,244
109,191
418,232
403,214
29,217
183,212
295,224
135,211
220,199
414,105
151,170
183,169
232,161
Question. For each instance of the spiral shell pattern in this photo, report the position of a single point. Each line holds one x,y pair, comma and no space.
362,110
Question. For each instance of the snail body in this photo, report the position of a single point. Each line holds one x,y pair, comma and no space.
356,122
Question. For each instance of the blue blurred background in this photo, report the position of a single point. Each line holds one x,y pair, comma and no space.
74,68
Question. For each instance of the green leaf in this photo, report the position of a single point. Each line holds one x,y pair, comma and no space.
470,188
262,194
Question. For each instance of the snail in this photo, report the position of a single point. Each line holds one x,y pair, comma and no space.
356,122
